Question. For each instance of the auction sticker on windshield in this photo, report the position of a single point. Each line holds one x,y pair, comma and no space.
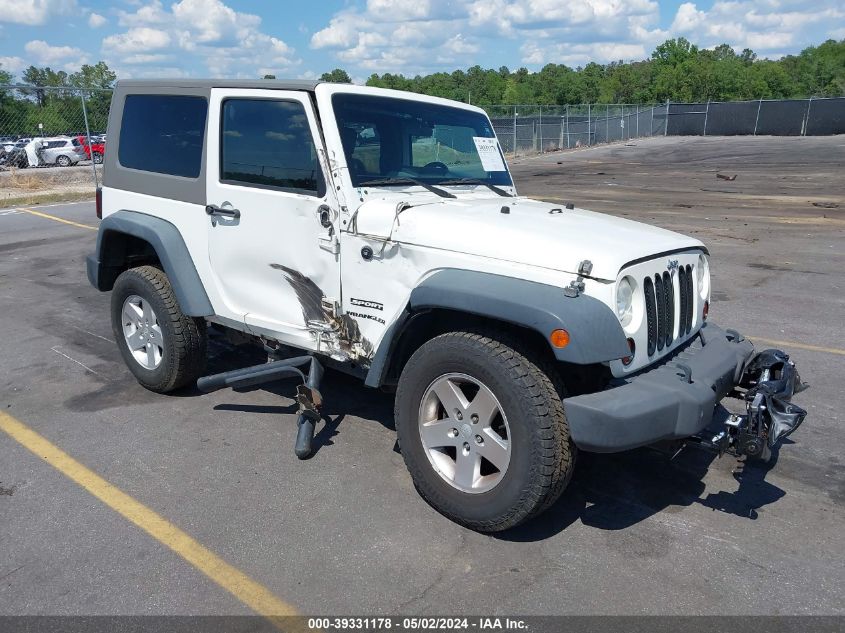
488,150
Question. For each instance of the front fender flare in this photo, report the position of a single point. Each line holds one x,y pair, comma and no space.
595,333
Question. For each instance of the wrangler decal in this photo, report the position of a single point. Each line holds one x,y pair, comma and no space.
371,317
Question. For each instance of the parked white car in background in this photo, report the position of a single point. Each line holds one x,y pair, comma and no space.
62,151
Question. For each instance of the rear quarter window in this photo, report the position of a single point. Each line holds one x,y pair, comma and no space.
163,134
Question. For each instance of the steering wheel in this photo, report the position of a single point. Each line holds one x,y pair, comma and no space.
436,166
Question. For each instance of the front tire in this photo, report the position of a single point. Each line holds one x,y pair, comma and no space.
482,430
163,348
97,157
63,161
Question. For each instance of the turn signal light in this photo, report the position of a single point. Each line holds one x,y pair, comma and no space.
559,338
627,360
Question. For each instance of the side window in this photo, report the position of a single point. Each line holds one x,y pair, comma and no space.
267,143
163,134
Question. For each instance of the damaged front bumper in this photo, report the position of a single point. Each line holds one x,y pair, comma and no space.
677,398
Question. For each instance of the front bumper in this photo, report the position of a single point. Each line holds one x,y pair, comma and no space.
672,400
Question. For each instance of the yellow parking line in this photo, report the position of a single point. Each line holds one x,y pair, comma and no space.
812,348
58,219
248,591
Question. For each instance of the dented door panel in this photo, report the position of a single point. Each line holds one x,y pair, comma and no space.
264,224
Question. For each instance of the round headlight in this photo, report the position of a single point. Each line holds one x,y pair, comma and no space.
703,271
624,300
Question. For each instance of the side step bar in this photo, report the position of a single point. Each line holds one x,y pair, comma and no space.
307,394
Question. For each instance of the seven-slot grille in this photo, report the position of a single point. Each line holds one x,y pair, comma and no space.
660,307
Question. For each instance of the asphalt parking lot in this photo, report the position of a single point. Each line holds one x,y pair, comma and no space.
345,532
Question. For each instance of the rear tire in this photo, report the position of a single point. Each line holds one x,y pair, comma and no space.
163,348
97,157
532,423
63,161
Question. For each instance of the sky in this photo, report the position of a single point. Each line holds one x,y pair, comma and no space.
303,39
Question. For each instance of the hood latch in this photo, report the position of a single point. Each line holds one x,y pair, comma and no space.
576,287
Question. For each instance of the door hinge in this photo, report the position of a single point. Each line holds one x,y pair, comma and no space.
329,243
330,306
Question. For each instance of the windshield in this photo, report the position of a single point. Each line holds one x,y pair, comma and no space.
384,137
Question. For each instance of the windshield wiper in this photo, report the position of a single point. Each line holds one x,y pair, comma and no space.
475,181
386,182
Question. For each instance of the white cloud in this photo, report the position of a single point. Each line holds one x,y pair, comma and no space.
214,22
67,57
399,9
95,20
342,32
228,42
767,27
412,36
143,58
12,64
137,40
581,54
400,36
429,35
688,18
34,12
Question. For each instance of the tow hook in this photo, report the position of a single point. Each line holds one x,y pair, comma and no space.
769,380
307,394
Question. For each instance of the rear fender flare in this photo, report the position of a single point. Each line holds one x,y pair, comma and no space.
164,238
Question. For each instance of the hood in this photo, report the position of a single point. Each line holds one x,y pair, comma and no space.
531,232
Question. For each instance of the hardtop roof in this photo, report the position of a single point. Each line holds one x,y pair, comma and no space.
266,84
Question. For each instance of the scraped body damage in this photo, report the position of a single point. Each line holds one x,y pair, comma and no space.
337,335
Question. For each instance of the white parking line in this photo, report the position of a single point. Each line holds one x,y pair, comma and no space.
15,210
60,353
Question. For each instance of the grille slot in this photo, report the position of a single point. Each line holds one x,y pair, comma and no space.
690,300
683,323
669,307
661,307
661,311
651,314
687,290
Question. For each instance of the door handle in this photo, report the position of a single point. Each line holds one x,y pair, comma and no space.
324,212
212,209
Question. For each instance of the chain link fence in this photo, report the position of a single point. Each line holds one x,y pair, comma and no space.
52,140
52,143
534,129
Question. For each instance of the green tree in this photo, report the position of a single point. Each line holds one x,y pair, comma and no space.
44,78
97,76
5,76
338,76
674,52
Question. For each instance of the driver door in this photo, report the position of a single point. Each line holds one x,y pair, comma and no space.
271,241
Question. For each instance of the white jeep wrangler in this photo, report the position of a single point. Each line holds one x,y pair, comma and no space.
380,233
